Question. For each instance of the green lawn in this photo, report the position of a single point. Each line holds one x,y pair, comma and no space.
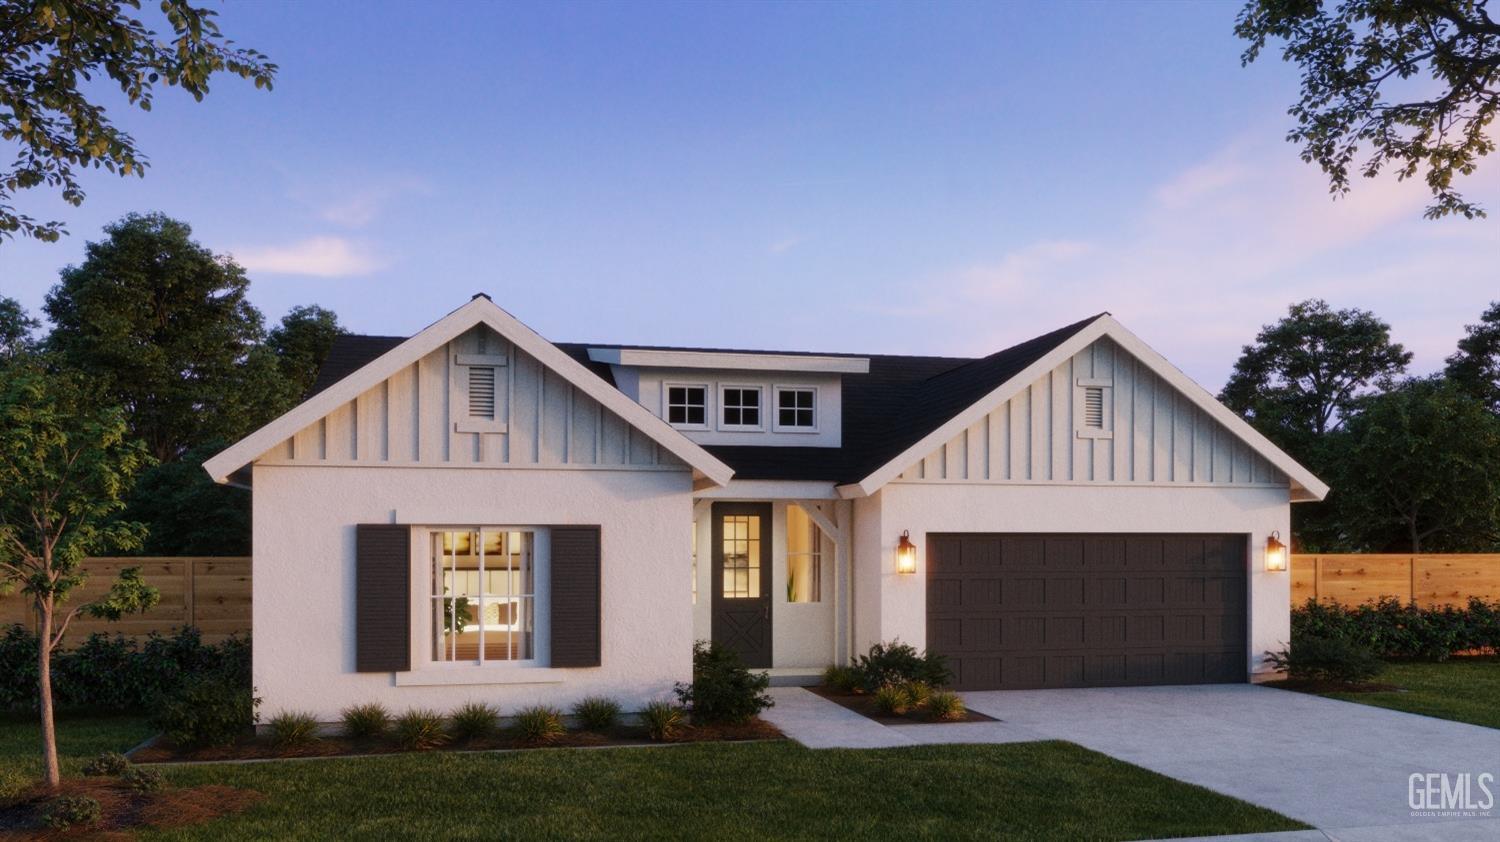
1051,790
1462,689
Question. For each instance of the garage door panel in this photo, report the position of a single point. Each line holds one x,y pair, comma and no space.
1085,610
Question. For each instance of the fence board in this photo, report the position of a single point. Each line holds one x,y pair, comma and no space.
1429,580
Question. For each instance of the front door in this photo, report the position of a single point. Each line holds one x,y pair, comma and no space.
742,580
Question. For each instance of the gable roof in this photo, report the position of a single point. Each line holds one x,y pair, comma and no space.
390,355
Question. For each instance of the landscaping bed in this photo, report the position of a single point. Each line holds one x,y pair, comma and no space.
865,705
122,809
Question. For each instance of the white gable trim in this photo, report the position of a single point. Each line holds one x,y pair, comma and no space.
480,311
1305,486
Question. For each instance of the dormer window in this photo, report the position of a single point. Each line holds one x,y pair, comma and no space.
796,409
740,408
687,406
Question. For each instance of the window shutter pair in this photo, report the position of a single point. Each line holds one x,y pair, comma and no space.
382,602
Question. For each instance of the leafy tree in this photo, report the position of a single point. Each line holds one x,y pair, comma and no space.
1359,112
66,465
165,328
50,51
186,512
301,343
16,329
1476,366
1420,472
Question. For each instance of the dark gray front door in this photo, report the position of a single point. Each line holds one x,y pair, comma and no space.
742,580
1018,611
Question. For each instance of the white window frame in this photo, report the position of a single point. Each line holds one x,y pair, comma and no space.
760,390
776,408
425,620
708,404
458,392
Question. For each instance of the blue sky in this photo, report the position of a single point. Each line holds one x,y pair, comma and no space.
919,178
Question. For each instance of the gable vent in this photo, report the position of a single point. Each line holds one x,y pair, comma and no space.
481,392
1093,407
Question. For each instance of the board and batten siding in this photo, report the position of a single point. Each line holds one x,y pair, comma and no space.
1156,434
411,419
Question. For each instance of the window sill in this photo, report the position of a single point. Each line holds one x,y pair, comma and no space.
432,677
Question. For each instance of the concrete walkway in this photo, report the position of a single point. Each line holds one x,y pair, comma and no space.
1341,767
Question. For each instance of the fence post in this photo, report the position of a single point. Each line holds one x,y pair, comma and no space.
189,585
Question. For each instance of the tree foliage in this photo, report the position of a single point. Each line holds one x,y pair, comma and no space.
301,343
1407,84
188,513
17,330
1476,366
51,52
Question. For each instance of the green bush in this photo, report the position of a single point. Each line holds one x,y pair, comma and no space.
841,679
364,722
292,729
144,780
1393,629
945,706
891,700
473,721
1328,659
723,690
67,811
213,709
597,713
899,663
419,729
917,693
107,764
539,725
663,720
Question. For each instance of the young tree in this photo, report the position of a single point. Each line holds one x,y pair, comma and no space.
1476,366
1421,472
301,343
49,53
65,464
1358,111
16,330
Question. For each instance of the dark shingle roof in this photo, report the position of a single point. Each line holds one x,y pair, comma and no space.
899,401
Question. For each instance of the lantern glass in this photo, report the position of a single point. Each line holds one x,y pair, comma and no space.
906,555
1276,555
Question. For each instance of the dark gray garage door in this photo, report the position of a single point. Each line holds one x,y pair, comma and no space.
1017,611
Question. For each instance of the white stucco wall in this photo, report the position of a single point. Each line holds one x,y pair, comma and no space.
896,606
304,518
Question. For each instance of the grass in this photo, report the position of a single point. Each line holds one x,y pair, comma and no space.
1461,689
1043,791
80,740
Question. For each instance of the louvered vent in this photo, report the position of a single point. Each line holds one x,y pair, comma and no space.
481,392
1093,407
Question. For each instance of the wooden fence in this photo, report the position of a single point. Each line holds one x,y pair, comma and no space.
1429,580
210,593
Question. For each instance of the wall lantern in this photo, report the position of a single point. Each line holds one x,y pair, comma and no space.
906,554
1275,553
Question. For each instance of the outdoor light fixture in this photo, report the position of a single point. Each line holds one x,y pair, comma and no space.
1275,553
906,554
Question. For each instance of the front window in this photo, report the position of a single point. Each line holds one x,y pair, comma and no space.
741,406
796,409
804,557
687,406
484,595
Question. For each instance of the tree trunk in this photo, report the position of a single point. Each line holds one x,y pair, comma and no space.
1416,538
44,682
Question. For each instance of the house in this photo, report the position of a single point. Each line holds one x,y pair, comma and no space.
475,512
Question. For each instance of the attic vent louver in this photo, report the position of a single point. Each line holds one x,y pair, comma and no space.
1093,407
481,392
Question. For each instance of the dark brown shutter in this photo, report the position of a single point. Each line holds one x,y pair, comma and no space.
382,597
575,596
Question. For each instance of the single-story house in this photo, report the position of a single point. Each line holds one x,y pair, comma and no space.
475,512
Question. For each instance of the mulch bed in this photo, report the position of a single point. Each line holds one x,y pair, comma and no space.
864,704
161,750
1307,685
123,810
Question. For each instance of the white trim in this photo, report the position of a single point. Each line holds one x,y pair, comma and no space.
482,360
277,462
483,311
730,360
756,490
1305,486
708,405
758,389
434,675
1095,433
479,425
817,410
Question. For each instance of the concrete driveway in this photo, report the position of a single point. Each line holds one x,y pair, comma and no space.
1343,768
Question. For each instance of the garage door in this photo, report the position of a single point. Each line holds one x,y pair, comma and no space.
1019,611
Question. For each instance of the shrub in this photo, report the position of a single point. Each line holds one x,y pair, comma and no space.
663,720
1328,659
144,780
419,729
891,700
946,706
597,713
1394,629
67,811
899,663
107,764
473,720
723,690
539,725
209,710
291,729
917,693
363,722
841,679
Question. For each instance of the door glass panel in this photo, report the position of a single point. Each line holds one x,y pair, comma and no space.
741,556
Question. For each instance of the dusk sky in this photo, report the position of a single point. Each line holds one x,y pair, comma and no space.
921,178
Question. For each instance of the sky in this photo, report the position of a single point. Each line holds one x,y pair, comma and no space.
946,178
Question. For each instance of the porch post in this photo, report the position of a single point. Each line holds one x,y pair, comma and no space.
833,517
